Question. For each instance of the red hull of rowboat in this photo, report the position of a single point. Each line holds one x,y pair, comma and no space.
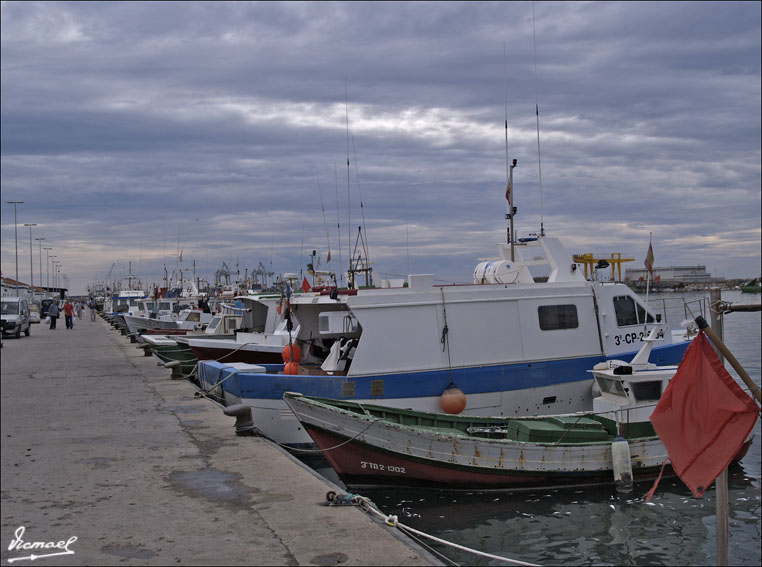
358,464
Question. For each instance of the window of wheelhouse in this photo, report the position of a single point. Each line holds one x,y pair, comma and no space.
555,317
628,312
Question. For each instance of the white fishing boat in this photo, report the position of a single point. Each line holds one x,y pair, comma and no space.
515,346
185,320
629,391
174,347
263,333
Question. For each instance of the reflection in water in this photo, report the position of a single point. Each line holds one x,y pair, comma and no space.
583,526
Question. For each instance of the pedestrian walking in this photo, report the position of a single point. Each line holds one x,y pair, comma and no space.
91,305
68,310
53,313
80,310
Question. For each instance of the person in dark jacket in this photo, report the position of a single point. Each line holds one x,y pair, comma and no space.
53,314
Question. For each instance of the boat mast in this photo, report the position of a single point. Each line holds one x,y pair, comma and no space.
351,282
537,115
325,225
368,274
511,210
338,223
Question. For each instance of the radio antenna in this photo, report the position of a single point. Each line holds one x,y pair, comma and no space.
537,115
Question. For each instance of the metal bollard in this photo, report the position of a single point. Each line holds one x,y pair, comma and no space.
244,425
177,373
146,349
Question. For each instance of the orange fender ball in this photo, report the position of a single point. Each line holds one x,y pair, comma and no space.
291,368
453,400
288,351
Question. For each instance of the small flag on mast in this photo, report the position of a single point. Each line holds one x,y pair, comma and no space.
649,261
508,196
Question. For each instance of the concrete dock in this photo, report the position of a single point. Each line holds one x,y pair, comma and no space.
106,458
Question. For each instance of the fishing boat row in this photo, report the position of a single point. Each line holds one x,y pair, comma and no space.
512,345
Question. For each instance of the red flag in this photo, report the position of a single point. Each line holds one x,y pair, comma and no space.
649,261
305,285
329,256
508,192
703,417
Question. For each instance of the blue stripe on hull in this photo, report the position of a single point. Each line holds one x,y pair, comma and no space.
474,380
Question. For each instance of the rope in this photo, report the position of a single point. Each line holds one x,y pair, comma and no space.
393,521
204,392
445,334
371,424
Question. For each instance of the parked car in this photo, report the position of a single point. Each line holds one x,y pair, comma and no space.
15,316
34,313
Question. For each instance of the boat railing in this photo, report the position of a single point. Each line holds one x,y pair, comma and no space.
690,309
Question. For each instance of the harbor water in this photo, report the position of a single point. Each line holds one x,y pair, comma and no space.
598,525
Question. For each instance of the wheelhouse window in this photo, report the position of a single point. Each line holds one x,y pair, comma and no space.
647,391
628,312
555,317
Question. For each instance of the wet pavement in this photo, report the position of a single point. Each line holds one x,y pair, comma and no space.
106,461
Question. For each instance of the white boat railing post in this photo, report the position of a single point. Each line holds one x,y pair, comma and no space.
721,483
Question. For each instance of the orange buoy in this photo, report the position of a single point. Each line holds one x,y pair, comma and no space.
292,353
453,400
291,368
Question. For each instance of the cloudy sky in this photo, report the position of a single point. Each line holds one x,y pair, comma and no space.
134,131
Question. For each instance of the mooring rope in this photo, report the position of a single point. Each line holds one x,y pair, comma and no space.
392,520
290,448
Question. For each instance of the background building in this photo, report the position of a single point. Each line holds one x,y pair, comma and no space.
672,275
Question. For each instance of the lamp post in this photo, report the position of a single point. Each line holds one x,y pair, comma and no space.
47,265
55,273
16,229
31,254
40,247
49,262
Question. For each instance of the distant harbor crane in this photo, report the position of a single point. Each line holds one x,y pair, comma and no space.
591,261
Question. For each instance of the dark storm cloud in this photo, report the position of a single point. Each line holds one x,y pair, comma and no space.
134,130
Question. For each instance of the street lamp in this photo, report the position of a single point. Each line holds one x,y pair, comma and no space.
40,246
16,228
31,254
54,269
55,273
47,265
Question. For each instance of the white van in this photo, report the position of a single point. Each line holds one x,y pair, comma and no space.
15,316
